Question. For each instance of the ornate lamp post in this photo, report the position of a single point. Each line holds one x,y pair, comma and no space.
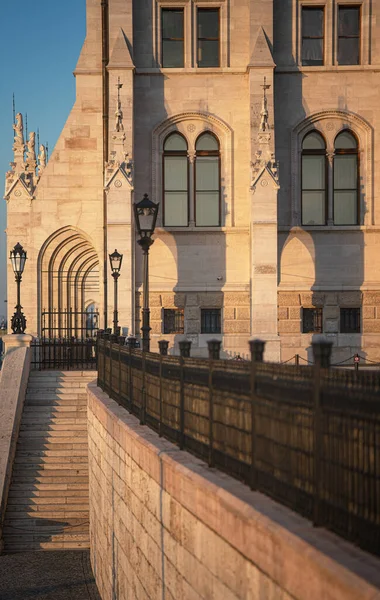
115,261
146,213
18,258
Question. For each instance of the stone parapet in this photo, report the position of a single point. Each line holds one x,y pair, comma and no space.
13,384
164,525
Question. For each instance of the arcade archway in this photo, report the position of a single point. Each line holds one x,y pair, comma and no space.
68,285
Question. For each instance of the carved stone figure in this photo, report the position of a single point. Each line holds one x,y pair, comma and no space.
119,113
42,158
31,148
19,130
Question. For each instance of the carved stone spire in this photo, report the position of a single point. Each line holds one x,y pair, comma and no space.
118,159
264,155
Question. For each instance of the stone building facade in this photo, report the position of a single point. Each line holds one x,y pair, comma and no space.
253,123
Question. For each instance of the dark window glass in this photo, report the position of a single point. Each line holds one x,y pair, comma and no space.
174,320
312,320
314,189
208,37
348,35
312,36
207,181
346,190
175,178
172,37
211,320
350,320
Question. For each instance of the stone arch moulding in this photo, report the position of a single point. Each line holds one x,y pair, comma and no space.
66,242
191,125
330,123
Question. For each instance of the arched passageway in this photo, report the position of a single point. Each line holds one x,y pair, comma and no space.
68,286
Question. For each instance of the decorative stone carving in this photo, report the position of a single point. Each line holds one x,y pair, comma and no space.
265,158
119,113
41,159
18,127
264,123
31,160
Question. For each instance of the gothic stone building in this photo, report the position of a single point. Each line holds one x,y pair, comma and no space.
254,124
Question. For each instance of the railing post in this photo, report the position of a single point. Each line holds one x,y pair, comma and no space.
184,349
213,354
257,348
161,407
322,356
105,338
143,391
121,340
113,340
163,346
130,378
297,361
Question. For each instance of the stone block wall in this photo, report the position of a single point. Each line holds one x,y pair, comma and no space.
163,525
235,315
293,340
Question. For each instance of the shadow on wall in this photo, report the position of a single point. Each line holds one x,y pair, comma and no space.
321,270
180,261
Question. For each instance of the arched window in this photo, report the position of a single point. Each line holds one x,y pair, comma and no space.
176,181
207,181
314,196
346,192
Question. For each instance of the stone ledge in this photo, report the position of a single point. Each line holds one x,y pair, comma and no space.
298,560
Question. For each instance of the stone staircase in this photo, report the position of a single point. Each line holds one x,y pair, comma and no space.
48,505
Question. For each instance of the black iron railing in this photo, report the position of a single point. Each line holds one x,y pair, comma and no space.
307,436
64,354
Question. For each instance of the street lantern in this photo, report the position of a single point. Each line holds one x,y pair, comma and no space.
115,261
146,213
18,258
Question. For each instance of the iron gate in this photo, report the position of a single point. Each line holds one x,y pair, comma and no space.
56,325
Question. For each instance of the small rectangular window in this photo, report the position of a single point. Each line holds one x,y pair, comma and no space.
172,27
348,35
208,37
312,36
211,320
312,320
350,320
174,320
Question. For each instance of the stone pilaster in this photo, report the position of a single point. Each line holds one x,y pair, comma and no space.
264,189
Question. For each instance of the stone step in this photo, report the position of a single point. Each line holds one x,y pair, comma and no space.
26,515
59,411
47,454
40,547
50,461
50,396
27,445
62,375
49,425
50,486
48,508
44,383
66,536
46,500
49,478
50,471
47,493
56,402
55,435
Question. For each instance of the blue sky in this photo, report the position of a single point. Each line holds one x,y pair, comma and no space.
39,47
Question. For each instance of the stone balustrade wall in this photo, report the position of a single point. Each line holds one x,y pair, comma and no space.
164,526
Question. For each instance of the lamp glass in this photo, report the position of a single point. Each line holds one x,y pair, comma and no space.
115,261
18,258
146,213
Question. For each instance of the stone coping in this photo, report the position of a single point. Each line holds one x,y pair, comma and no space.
305,562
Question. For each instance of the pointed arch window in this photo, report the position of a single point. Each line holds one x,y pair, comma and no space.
314,188
207,181
176,181
346,190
